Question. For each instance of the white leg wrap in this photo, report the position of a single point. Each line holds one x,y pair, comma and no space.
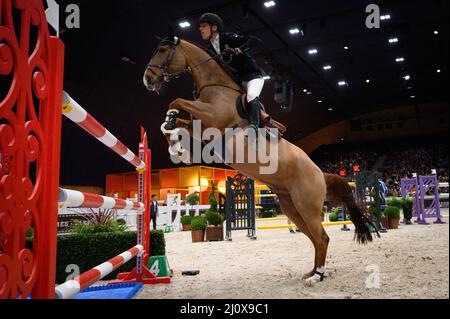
166,132
173,111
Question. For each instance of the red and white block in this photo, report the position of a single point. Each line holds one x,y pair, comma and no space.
74,199
74,112
71,288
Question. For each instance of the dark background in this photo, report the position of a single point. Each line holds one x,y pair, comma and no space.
112,91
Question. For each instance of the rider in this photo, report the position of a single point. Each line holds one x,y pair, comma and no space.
235,47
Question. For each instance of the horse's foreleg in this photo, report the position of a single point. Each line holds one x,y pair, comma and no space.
199,110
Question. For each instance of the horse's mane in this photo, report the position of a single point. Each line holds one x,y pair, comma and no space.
220,62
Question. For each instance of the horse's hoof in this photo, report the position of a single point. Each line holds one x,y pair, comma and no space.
311,282
308,275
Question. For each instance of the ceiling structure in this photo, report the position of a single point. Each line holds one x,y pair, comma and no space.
106,58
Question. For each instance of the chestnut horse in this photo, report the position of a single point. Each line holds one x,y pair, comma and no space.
299,183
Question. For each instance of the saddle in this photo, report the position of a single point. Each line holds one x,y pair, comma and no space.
266,120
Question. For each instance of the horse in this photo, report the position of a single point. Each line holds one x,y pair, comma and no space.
300,184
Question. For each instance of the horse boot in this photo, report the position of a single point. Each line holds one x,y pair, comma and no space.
171,121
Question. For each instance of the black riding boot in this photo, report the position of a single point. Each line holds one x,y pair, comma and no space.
254,111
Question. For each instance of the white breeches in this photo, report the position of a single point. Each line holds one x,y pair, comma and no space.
254,88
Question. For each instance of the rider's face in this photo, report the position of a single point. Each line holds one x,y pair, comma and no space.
206,30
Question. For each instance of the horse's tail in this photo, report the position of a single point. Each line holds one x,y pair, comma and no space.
339,192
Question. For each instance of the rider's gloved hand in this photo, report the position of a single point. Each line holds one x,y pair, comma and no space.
228,54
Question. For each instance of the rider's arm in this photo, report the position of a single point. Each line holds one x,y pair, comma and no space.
244,43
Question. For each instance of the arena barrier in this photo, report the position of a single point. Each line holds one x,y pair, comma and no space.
71,288
418,188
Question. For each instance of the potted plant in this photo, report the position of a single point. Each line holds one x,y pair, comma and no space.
198,226
186,221
392,214
214,231
408,205
193,200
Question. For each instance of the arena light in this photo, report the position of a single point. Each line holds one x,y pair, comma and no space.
313,51
342,83
438,71
327,67
393,40
413,97
330,109
184,24
400,60
320,101
294,31
407,77
385,17
267,78
436,32
269,4
368,81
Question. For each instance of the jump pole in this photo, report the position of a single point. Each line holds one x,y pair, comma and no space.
74,112
71,288
74,199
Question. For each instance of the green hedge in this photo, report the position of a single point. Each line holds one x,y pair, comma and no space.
90,250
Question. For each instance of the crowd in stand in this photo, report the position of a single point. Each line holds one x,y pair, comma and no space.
401,160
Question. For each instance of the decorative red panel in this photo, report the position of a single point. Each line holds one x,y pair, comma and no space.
31,73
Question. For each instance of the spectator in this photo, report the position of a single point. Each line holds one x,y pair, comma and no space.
154,211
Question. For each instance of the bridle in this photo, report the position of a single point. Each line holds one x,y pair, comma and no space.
165,75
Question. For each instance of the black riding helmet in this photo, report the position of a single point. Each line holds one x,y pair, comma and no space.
212,19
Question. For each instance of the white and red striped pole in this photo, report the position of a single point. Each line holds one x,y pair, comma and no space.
74,112
74,199
71,288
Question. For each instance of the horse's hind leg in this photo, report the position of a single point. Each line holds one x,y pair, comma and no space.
310,214
291,212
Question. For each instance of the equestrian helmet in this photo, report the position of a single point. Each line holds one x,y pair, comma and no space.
212,19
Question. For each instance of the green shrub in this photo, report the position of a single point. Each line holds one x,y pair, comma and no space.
333,217
89,250
121,221
212,200
89,228
392,212
193,199
186,220
214,218
395,202
198,223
